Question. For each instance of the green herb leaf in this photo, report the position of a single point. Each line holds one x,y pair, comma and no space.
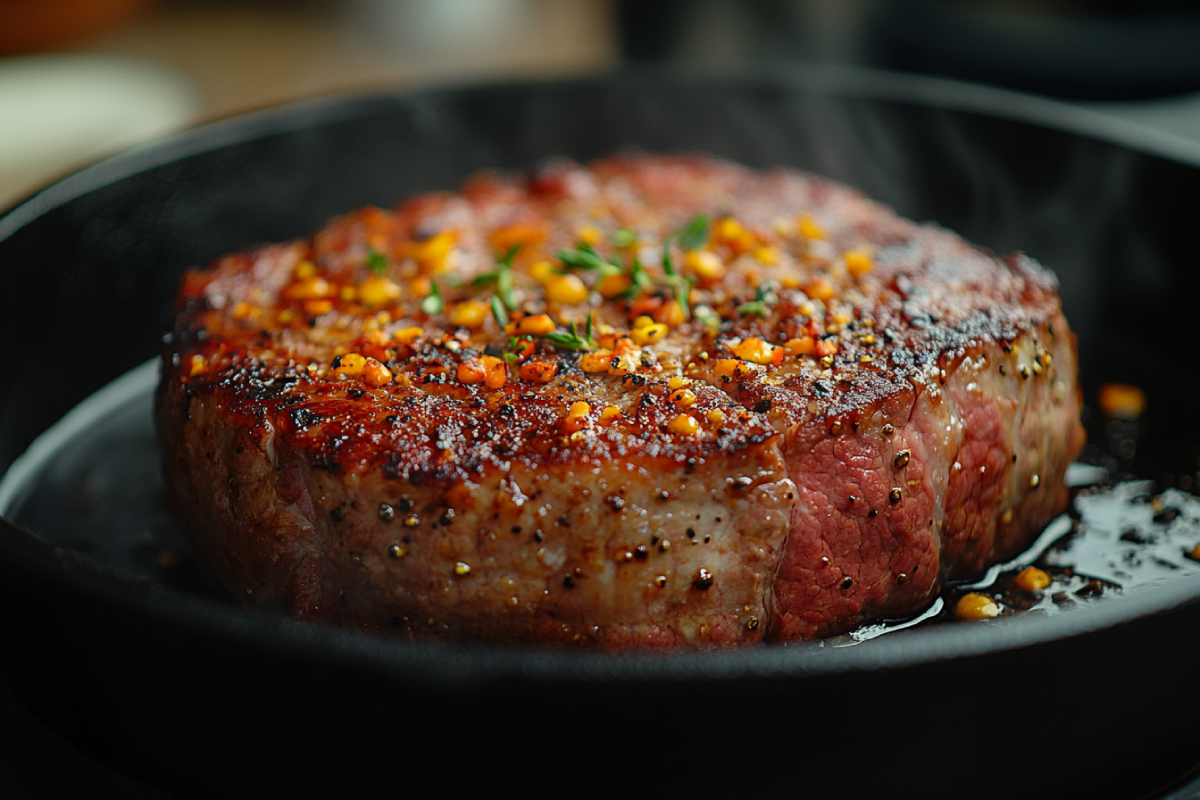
504,264
433,304
499,312
502,277
667,266
376,261
753,307
680,284
504,288
639,281
640,277
766,293
572,340
623,237
705,315
566,341
764,296
696,233
683,288
584,257
506,261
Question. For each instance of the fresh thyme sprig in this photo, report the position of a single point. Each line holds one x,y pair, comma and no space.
708,318
517,347
639,281
502,276
623,237
572,340
682,285
506,261
585,257
376,261
696,233
764,296
433,304
499,311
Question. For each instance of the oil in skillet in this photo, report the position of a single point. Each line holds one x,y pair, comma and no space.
1122,537
1119,538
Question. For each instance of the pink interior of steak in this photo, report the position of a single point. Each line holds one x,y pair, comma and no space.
850,409
966,470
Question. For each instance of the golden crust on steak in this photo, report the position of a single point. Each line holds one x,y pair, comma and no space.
650,402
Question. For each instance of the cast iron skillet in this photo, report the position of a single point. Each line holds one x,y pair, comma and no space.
202,697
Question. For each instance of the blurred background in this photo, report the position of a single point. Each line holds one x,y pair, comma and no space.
80,79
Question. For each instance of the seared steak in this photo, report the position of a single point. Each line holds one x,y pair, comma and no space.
504,414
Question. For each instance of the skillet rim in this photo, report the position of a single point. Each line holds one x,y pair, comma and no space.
860,83
462,663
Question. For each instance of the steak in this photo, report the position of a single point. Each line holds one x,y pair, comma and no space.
650,402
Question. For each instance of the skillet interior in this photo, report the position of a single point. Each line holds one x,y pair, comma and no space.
138,674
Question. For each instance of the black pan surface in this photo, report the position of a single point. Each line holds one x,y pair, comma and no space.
201,697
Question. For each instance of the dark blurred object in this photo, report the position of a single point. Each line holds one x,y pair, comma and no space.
35,762
1077,49
646,28
1082,50
33,26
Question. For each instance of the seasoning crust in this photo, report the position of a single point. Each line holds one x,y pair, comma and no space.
650,402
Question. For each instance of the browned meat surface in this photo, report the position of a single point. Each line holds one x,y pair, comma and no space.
810,414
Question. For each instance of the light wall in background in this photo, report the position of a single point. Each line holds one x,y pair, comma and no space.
246,55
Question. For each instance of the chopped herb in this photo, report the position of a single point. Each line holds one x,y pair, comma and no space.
753,307
707,317
504,287
572,340
681,285
639,281
640,276
433,304
623,237
501,276
764,296
506,261
376,261
584,257
695,234
499,312
667,266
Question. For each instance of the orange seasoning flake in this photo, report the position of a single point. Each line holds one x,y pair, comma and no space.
525,234
376,373
825,347
801,347
539,371
471,372
576,418
495,371
820,288
1122,400
597,361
